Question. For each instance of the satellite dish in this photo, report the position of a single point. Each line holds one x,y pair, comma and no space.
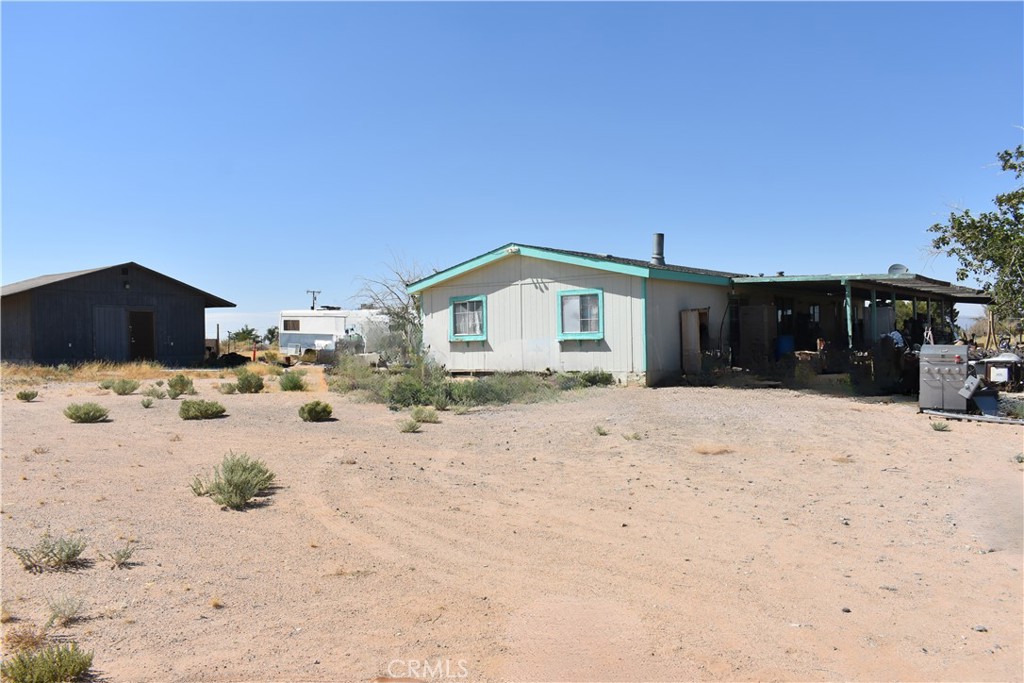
898,269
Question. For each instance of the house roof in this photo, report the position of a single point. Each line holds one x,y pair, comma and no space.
906,284
606,262
211,301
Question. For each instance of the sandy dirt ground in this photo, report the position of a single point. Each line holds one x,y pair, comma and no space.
743,535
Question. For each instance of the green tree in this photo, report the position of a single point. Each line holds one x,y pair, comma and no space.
271,336
246,334
990,246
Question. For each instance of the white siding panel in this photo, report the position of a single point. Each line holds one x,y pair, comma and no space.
665,299
522,329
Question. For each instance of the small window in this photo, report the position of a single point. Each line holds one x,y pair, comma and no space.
814,312
581,314
467,318
291,325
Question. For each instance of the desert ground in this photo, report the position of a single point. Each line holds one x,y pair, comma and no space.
711,534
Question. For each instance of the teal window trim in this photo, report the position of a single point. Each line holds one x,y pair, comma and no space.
452,337
566,336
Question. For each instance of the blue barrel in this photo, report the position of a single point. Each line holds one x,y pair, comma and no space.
785,343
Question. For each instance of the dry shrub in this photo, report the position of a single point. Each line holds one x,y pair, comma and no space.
712,449
24,638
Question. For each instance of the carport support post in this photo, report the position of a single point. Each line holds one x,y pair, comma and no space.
849,314
874,316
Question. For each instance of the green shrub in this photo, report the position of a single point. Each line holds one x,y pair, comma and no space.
1013,409
106,384
425,414
27,395
501,388
120,557
227,388
600,431
147,402
248,382
50,553
154,392
123,387
64,610
86,412
271,356
409,426
159,382
236,481
315,411
292,381
180,384
940,426
55,663
198,409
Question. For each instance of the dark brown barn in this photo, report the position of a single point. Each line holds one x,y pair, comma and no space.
117,313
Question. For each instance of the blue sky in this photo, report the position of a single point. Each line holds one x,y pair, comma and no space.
257,150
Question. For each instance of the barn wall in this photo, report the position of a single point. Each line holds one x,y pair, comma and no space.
85,318
522,327
16,328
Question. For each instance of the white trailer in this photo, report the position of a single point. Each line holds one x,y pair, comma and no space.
324,328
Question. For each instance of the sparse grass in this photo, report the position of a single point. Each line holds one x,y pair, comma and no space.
56,663
634,436
315,411
600,431
425,415
409,426
147,403
86,412
24,638
712,449
5,615
248,382
940,426
64,610
216,603
227,388
199,409
27,395
292,381
461,409
55,553
123,387
119,558
236,481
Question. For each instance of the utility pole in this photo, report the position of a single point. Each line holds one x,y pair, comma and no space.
314,292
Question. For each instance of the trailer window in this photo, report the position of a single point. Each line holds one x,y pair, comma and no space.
291,325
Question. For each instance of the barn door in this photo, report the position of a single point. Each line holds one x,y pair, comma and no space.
689,341
110,333
141,336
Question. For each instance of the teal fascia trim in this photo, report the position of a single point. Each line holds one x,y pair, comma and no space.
643,325
572,336
462,268
679,276
452,337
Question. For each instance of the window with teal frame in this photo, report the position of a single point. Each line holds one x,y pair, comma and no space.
467,318
580,314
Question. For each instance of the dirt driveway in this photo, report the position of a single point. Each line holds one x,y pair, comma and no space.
711,534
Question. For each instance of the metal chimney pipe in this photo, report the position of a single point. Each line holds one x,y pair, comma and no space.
658,257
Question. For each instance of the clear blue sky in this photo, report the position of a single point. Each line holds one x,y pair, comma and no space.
257,150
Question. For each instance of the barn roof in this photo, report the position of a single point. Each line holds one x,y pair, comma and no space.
211,301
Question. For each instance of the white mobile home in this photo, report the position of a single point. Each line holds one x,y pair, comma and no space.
322,329
538,309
